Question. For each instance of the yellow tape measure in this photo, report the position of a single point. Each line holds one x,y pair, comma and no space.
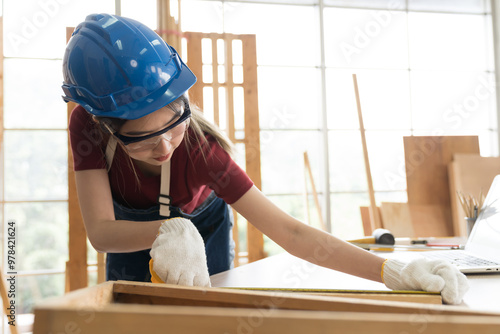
311,290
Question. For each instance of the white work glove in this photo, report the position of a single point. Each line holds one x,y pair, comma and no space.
428,275
178,255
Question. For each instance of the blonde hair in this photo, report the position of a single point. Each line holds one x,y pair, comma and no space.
201,126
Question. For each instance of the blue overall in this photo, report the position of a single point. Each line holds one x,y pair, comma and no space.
213,219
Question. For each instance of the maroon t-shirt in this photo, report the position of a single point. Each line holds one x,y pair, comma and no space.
192,178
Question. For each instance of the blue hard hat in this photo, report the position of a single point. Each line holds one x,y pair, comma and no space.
117,67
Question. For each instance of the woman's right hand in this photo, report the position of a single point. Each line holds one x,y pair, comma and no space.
178,255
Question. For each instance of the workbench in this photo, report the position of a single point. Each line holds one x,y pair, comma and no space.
137,307
287,271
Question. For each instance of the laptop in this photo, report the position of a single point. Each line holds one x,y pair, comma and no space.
481,253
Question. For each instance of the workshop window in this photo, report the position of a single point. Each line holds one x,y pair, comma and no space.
420,65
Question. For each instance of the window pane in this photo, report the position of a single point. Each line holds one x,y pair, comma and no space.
443,101
36,165
37,29
346,216
488,143
455,6
448,41
347,169
386,158
340,100
202,16
143,11
286,35
42,238
289,98
380,4
366,38
33,94
34,289
384,97
283,160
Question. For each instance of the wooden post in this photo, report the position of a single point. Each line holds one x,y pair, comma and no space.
76,267
195,63
169,23
252,136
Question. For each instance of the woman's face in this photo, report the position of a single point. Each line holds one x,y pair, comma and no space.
156,150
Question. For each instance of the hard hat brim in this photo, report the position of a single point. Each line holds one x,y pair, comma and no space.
156,100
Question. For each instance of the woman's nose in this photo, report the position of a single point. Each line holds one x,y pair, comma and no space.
164,146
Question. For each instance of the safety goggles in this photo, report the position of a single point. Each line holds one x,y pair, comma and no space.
142,143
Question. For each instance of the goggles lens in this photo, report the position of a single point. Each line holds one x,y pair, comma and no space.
143,143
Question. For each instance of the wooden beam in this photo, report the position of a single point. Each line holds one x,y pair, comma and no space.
255,238
374,217
76,267
195,63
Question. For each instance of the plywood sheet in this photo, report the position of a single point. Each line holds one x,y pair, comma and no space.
426,161
469,174
430,220
415,220
396,218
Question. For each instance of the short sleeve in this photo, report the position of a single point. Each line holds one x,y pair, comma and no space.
87,141
224,176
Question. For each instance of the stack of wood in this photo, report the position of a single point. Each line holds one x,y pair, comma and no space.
437,169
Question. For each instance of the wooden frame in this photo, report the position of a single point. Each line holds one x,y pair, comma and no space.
129,307
251,129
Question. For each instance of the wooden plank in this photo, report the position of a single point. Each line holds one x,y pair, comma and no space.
229,81
128,319
374,217
399,296
194,62
427,159
101,267
97,296
308,169
215,82
366,219
76,267
197,296
252,136
469,174
168,27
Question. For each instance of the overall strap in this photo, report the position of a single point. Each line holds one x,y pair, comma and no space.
110,151
163,199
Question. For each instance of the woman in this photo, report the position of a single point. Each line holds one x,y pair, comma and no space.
143,154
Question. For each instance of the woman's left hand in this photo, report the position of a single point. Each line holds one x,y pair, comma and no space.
178,255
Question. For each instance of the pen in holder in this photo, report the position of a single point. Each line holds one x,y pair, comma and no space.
471,207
